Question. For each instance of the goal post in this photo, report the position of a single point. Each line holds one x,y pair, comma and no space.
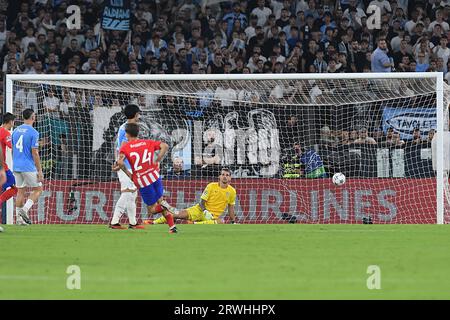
440,148
282,135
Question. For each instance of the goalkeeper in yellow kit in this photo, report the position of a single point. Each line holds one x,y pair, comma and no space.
216,197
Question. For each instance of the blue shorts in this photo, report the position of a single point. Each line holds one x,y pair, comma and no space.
10,180
150,194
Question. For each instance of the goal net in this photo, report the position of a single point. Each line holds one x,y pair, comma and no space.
283,137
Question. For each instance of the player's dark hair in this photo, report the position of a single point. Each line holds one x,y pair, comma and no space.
226,169
7,117
130,110
27,113
132,129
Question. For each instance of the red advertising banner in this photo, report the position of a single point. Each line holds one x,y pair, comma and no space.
259,200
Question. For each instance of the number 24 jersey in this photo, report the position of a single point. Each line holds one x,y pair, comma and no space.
141,155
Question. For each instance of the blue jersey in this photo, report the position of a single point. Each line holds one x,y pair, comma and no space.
121,138
24,139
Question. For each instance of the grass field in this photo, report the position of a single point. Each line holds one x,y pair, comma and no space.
226,262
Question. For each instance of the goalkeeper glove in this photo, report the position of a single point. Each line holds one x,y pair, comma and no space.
208,215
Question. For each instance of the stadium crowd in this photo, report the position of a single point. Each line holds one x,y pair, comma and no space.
219,37
245,36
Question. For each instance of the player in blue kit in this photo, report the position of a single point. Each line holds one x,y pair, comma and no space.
26,165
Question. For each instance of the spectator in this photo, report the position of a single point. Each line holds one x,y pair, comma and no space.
29,38
416,137
404,50
411,24
353,8
177,171
421,65
300,161
404,65
156,44
345,138
262,12
51,104
430,137
380,61
70,52
396,141
319,63
216,66
3,33
442,51
333,67
389,138
234,16
440,66
327,137
363,137
439,21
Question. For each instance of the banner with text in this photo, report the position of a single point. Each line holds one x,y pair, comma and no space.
116,15
405,120
259,200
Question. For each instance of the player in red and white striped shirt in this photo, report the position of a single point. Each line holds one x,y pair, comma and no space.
141,156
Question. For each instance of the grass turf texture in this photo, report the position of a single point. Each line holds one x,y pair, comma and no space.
226,262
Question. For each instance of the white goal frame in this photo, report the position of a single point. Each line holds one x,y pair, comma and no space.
440,176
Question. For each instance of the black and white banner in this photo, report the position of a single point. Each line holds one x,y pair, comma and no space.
246,139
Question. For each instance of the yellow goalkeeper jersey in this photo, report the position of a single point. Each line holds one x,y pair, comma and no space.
217,198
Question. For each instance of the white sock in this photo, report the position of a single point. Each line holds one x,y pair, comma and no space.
18,217
28,205
131,207
167,206
119,209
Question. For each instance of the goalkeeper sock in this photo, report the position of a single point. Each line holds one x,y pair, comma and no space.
131,207
11,192
206,222
160,220
121,207
28,205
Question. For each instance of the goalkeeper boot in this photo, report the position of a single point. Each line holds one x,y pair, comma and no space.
116,226
136,226
23,214
148,221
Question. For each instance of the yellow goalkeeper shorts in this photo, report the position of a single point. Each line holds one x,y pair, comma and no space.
196,213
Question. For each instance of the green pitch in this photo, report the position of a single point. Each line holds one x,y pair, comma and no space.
226,262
